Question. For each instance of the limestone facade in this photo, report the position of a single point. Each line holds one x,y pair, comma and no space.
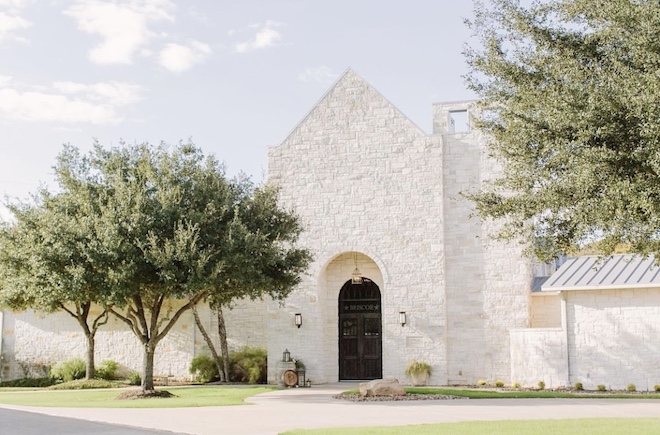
375,192
366,181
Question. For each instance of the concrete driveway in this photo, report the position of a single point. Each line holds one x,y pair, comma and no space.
278,411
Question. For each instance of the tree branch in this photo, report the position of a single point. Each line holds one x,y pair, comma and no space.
193,301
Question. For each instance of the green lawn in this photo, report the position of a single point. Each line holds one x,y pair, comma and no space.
186,397
587,426
514,394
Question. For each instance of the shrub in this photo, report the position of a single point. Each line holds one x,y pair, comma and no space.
579,386
249,365
657,388
481,382
416,368
541,385
601,387
134,378
499,384
516,385
68,371
107,370
204,369
631,387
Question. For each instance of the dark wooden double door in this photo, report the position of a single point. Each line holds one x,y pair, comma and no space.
360,332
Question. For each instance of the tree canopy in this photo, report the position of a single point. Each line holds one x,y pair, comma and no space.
50,259
570,92
173,231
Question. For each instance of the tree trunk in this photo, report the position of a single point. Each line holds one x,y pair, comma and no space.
91,369
222,333
210,344
148,366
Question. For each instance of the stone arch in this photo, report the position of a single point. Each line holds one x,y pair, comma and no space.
334,273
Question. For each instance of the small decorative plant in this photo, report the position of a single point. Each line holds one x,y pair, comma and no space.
516,385
631,387
541,385
481,382
134,378
601,387
657,388
419,372
579,386
499,384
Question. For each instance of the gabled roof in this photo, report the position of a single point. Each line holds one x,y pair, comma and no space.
351,80
594,272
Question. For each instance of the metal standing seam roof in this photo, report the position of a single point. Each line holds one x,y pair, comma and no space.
594,272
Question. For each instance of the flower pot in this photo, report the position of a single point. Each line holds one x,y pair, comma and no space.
419,379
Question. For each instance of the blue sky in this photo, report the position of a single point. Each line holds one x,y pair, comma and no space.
235,76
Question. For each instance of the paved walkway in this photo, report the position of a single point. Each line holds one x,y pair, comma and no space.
283,410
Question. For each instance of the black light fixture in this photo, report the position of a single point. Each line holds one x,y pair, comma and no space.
402,318
286,356
356,277
298,319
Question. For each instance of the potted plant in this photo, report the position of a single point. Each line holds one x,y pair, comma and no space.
419,372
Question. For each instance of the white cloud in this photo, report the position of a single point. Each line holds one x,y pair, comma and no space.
11,20
122,25
67,102
114,93
179,58
319,74
266,36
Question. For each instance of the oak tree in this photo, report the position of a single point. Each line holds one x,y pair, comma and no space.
570,92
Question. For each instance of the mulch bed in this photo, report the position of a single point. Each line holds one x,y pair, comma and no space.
407,397
139,394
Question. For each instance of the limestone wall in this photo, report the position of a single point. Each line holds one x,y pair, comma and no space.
364,179
613,337
32,342
538,355
487,282
545,310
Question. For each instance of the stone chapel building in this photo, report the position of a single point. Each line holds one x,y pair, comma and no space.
402,271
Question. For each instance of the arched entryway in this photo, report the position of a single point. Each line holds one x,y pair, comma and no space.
360,331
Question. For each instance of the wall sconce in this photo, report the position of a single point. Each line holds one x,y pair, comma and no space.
298,320
402,318
286,356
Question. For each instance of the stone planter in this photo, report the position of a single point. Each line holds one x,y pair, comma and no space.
419,379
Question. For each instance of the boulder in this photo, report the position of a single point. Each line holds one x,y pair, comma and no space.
382,387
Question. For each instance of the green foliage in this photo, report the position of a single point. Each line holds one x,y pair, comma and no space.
631,387
656,388
601,387
541,385
134,378
571,98
29,382
416,368
69,370
481,382
579,386
204,369
107,370
499,384
250,364
516,385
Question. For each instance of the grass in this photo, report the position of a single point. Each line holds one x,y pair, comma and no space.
587,426
544,394
186,397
